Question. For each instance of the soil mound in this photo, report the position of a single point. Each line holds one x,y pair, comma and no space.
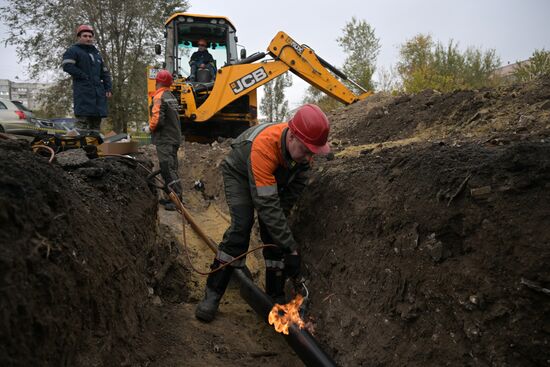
73,258
434,250
517,109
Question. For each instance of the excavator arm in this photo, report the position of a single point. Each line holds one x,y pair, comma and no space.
303,62
235,81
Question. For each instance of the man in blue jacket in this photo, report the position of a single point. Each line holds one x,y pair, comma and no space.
91,80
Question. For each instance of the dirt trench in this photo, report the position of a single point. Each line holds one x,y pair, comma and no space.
94,273
425,241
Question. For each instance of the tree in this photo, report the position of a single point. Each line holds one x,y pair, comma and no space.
125,32
274,106
537,65
325,102
362,47
56,101
425,64
388,80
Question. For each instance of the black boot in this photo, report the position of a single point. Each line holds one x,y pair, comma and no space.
215,288
170,206
275,285
163,201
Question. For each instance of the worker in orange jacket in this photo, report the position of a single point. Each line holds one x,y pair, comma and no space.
265,171
165,129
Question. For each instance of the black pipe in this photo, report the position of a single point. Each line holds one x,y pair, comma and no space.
332,68
300,340
250,59
339,73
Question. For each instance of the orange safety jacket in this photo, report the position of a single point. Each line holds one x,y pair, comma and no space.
275,180
164,122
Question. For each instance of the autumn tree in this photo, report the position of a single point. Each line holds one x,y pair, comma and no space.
360,44
362,47
388,80
125,33
537,65
325,102
425,64
274,105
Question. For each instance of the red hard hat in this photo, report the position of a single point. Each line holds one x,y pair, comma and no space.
164,77
84,28
310,125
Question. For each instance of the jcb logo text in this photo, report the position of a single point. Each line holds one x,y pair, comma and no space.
248,80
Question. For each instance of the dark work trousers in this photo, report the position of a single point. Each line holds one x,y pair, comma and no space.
236,238
90,123
168,163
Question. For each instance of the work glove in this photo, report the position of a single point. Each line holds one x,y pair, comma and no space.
292,265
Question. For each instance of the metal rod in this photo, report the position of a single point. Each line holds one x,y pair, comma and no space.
211,244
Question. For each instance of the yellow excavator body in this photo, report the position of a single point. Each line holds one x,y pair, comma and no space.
224,103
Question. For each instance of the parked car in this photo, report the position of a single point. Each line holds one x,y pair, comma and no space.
28,112
12,117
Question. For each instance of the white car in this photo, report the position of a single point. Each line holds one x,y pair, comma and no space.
12,118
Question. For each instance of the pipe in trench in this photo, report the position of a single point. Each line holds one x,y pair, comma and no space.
300,340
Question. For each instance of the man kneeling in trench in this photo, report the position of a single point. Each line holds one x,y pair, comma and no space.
265,171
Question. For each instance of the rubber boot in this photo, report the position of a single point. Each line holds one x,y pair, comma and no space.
216,284
170,206
275,285
163,201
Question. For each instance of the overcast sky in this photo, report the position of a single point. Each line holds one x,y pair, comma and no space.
513,28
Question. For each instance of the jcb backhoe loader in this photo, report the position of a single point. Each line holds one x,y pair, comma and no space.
227,105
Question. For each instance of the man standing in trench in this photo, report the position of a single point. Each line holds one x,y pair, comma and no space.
165,129
91,80
265,171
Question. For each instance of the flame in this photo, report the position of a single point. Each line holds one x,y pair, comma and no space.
282,316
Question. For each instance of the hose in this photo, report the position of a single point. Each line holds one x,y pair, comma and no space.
52,152
179,205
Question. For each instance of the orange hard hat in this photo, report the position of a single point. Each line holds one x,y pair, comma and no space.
310,125
84,28
164,78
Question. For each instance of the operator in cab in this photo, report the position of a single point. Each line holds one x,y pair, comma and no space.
265,172
202,64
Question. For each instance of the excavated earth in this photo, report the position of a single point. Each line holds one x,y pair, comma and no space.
76,247
94,273
425,239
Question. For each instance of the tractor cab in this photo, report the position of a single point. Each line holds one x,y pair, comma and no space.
195,83
183,34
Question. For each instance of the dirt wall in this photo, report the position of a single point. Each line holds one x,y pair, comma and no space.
426,241
73,255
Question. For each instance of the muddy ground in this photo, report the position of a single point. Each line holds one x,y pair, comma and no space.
425,242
